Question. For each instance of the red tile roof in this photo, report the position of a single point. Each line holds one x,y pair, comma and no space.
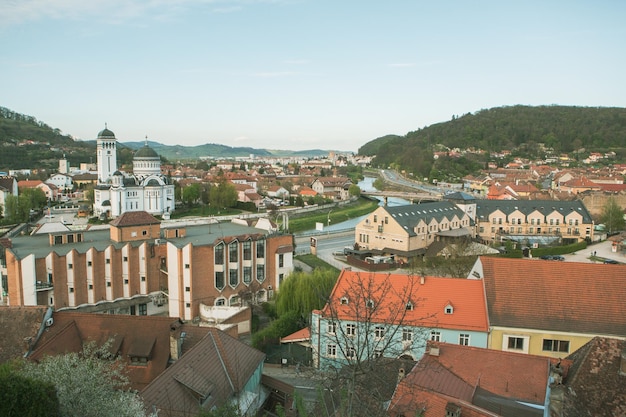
135,218
299,336
562,296
388,291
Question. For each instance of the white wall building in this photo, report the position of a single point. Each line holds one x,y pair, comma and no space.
146,189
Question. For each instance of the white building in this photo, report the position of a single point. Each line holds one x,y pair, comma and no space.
146,189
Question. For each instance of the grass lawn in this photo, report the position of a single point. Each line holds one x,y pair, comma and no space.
315,262
337,215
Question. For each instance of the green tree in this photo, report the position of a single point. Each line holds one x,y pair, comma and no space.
91,383
303,292
224,195
191,194
33,198
24,397
612,215
12,209
379,184
354,190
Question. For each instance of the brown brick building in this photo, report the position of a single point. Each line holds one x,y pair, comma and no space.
138,266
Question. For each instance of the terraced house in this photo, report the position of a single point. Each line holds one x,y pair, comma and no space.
533,222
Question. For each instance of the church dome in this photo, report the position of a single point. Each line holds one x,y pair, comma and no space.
106,134
146,152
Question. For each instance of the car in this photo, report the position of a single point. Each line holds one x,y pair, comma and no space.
611,261
547,257
558,257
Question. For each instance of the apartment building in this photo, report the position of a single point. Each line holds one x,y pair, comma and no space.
138,266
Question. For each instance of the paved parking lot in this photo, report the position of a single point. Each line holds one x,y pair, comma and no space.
602,251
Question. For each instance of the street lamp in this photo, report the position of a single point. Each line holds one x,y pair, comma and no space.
328,217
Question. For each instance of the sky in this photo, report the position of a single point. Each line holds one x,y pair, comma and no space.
300,74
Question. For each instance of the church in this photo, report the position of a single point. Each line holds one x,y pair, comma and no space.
117,192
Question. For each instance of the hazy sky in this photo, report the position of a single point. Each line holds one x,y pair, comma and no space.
300,74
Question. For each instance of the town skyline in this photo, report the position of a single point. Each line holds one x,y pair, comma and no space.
299,74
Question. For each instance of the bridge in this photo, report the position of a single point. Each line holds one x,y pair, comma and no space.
410,196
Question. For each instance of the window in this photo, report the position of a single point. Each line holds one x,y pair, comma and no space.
70,238
107,261
350,352
219,280
260,249
108,283
407,335
464,339
125,258
435,336
247,274
219,254
369,303
409,306
281,260
91,286
187,289
449,309
351,329
331,327
516,343
144,233
331,350
143,309
233,277
379,332
88,263
552,345
220,302
71,290
70,266
186,266
233,252
247,250
143,279
187,305
344,301
126,281
260,273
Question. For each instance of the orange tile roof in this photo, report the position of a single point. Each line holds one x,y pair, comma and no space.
466,375
388,291
562,296
299,336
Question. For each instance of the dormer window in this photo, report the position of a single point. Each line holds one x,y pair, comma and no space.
344,301
449,309
409,306
369,304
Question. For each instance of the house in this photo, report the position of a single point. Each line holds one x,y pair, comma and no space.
530,311
579,185
370,315
218,370
407,231
276,191
455,380
84,180
142,342
595,381
335,188
533,222
63,182
50,190
8,186
138,266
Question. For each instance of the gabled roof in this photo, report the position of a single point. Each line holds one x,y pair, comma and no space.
134,218
408,216
536,294
29,183
482,380
19,328
129,336
594,382
302,335
390,292
215,369
545,207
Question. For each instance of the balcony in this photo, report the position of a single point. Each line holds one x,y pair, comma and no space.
43,286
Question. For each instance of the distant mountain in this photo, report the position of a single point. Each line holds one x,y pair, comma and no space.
46,145
525,130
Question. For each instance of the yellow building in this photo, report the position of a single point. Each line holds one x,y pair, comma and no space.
551,308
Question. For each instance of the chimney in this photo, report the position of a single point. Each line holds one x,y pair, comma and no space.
434,351
422,279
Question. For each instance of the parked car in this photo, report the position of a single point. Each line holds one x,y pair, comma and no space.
558,257
611,261
547,257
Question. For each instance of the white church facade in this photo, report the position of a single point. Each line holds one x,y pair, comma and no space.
117,192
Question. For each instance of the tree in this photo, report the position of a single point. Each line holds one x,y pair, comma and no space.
21,396
372,328
303,292
191,194
224,195
354,190
91,383
12,209
613,215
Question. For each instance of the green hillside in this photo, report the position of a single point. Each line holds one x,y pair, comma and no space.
527,131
